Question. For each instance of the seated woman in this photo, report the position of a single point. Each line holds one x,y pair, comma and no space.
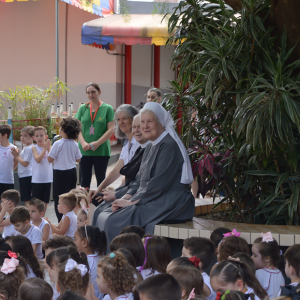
163,180
129,171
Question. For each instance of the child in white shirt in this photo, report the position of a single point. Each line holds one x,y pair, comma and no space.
7,161
25,163
9,200
20,217
68,224
64,155
42,174
37,212
268,262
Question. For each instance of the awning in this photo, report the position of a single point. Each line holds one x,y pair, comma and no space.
129,30
100,8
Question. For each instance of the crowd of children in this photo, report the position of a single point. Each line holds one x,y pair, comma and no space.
43,261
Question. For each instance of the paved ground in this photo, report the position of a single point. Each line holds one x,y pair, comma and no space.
50,210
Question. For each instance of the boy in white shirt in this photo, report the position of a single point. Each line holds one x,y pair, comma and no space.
9,200
68,224
25,163
20,218
7,161
37,212
42,174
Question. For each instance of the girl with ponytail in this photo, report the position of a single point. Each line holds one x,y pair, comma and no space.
235,275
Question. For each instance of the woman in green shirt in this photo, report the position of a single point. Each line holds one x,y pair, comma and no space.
97,120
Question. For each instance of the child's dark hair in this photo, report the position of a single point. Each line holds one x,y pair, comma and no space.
73,280
96,239
231,271
218,234
237,295
158,253
183,261
59,241
69,295
11,282
189,278
40,205
20,215
202,248
134,229
22,245
246,259
29,129
160,287
62,254
117,273
292,257
35,288
4,246
71,127
5,129
272,250
128,257
69,199
131,242
232,245
11,195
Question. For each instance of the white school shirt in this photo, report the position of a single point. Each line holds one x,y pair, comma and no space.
270,280
9,230
56,294
206,280
249,291
146,273
65,152
42,225
93,260
73,224
41,172
26,155
128,151
30,273
7,165
122,297
35,236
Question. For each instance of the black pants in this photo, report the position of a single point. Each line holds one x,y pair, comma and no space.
100,165
6,186
63,182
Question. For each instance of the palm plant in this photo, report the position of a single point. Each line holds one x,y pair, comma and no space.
245,89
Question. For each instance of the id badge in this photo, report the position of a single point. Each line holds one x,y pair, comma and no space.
92,130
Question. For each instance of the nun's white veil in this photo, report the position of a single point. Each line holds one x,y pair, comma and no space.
167,122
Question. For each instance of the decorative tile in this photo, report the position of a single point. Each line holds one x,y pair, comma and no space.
205,234
287,240
183,233
164,231
246,236
157,230
173,232
193,232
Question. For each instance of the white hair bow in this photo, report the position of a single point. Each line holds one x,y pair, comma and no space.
72,264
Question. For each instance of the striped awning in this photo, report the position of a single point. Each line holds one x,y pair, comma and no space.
129,30
100,8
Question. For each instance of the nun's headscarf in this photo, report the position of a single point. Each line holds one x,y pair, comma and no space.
167,122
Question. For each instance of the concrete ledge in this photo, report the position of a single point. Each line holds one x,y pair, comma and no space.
285,235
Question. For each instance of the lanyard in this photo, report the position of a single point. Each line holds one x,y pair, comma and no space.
92,119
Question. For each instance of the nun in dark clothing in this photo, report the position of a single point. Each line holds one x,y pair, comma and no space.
162,184
129,171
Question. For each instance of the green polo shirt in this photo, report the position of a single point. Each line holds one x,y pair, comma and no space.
105,114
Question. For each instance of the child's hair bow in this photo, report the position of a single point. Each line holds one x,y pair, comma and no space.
12,254
84,208
233,233
192,294
195,261
267,237
9,265
72,264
